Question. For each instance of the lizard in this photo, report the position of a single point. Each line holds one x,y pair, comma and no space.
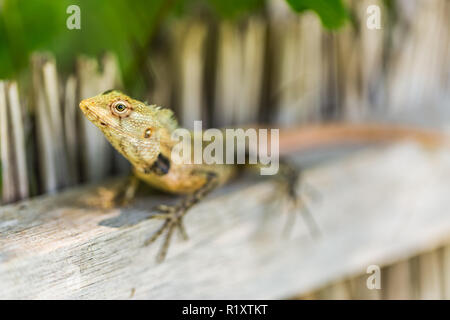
141,132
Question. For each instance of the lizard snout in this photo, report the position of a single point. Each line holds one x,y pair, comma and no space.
84,105
87,106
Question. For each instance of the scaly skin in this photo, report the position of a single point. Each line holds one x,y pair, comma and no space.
142,134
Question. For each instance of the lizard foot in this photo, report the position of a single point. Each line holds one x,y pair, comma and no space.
291,175
173,216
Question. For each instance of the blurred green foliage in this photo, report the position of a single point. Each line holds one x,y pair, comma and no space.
234,8
332,13
26,26
123,27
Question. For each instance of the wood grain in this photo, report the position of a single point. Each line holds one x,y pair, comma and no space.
378,206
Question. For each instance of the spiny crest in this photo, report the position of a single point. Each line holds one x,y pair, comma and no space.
166,117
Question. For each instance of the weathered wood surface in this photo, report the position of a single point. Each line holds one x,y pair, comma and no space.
378,206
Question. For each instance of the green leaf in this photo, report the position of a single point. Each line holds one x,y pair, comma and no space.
123,27
332,13
235,8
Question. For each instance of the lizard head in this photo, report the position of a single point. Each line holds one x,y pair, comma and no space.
138,131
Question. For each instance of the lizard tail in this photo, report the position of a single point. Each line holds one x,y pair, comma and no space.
317,136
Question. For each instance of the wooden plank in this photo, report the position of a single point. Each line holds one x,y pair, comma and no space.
378,206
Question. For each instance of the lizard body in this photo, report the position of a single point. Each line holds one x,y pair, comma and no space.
142,134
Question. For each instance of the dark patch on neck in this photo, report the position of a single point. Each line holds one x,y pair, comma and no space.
108,91
160,167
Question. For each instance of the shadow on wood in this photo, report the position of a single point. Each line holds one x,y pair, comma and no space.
378,206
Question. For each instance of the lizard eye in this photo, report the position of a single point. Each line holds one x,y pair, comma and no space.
120,108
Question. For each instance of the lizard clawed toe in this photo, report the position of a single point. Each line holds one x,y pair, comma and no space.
290,178
298,205
173,216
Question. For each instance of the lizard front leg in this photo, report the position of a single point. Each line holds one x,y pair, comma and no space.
127,191
173,215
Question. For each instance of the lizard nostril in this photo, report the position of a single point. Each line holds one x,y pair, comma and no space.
83,106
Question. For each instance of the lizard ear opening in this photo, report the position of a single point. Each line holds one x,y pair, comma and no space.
148,133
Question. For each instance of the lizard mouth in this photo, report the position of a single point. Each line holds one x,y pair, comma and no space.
94,118
91,115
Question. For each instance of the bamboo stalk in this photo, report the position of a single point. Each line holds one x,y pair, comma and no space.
8,182
229,64
53,111
253,57
396,281
97,152
18,138
70,129
359,289
45,139
337,291
445,267
191,39
430,280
